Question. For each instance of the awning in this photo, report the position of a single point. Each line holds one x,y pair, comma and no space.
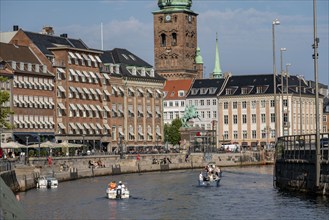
92,126
86,107
92,58
79,90
107,126
99,75
85,56
106,92
92,74
99,126
121,89
158,91
140,90
86,91
159,134
99,108
86,125
93,91
60,70
107,108
73,107
61,105
61,125
72,55
72,72
85,73
121,133
115,88
80,107
78,55
93,108
79,126
141,133
61,88
73,89
106,76
99,92
98,59
131,90
79,73
73,126
149,91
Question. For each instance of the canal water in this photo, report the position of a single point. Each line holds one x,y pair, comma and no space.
244,193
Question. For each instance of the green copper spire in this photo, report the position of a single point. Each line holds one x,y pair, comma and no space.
217,73
198,57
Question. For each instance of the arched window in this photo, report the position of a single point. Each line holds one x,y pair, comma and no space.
163,40
173,39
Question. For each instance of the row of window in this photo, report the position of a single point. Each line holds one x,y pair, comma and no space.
83,59
27,82
253,118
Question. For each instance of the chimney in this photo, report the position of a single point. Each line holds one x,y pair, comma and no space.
15,28
48,30
63,35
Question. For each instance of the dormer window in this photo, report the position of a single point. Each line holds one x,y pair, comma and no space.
117,70
152,72
203,91
212,90
134,70
229,91
181,93
194,91
143,72
261,89
125,56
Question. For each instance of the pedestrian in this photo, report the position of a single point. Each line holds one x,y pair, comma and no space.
50,161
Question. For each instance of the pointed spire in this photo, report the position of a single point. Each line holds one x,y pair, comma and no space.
217,73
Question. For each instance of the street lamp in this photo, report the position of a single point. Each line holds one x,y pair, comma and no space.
282,108
300,77
274,22
39,145
27,149
287,91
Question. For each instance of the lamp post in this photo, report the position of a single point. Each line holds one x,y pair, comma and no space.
39,145
300,77
287,92
282,72
274,22
27,149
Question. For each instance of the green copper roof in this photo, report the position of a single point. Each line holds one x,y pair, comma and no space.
174,4
198,57
217,73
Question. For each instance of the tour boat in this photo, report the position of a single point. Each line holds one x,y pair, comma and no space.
210,175
120,192
47,182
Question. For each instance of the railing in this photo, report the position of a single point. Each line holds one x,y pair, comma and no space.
302,147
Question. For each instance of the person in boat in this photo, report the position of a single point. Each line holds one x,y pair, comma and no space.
201,178
112,185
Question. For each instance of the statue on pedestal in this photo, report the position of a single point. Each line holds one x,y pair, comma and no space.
190,113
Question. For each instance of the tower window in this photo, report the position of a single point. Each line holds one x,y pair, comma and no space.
173,39
163,40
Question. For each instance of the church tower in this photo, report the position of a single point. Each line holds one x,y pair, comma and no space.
175,40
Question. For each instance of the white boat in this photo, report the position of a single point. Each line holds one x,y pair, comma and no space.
210,176
120,192
47,182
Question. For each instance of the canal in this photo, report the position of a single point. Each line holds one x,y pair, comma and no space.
244,193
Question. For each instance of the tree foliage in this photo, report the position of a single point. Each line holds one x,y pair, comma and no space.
4,110
172,134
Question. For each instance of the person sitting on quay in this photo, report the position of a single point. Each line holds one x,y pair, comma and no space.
100,163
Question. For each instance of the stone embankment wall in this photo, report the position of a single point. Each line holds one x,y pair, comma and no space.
70,168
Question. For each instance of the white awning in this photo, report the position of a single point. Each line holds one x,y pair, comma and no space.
107,126
131,90
72,72
115,88
86,125
149,133
61,105
80,107
62,126
86,90
121,133
99,108
149,91
121,89
60,70
61,88
72,55
92,58
85,73
79,126
79,73
92,126
79,56
158,134
92,74
85,56
107,108
98,59
93,108
73,89
99,92
79,90
73,107
86,107
107,92
99,126
141,133
93,91
106,76
99,75
73,126
158,91
140,90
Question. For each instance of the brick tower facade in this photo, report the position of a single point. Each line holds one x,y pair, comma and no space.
175,40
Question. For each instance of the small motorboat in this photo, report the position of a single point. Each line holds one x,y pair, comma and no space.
119,192
47,182
210,175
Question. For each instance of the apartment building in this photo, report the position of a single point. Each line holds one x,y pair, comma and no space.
31,86
174,103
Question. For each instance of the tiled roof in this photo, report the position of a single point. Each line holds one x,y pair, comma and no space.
44,41
172,87
10,52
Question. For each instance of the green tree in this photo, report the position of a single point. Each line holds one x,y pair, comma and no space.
172,134
4,110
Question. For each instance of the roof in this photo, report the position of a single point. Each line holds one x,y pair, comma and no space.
44,41
206,88
172,87
129,63
11,52
5,37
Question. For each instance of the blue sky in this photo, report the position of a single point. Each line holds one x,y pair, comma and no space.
244,28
